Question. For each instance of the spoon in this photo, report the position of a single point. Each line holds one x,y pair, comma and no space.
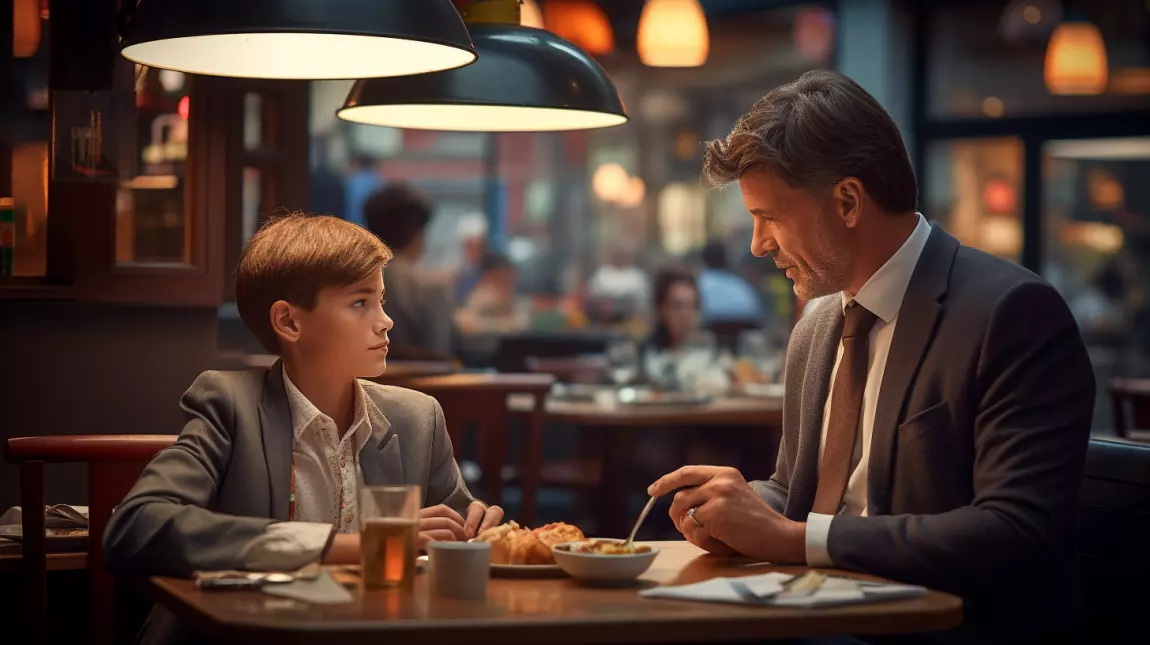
639,522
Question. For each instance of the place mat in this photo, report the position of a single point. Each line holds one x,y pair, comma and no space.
772,590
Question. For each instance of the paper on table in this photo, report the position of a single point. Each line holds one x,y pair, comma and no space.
767,590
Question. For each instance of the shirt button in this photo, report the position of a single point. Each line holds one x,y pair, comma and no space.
343,462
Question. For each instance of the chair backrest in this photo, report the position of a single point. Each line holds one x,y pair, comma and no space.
1131,395
114,464
1114,532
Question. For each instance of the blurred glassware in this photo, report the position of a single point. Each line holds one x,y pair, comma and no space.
623,358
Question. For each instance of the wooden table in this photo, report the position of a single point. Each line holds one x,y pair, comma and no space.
555,612
618,422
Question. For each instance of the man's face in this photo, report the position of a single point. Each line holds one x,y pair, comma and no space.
346,333
803,234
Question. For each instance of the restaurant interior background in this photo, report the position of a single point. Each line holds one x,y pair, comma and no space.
121,290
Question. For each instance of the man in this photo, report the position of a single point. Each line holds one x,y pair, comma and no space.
938,399
422,310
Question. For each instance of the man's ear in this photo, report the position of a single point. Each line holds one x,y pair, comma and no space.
284,322
848,199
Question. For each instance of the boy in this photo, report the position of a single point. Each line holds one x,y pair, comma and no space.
265,474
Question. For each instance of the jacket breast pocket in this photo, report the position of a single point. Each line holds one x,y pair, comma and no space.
934,420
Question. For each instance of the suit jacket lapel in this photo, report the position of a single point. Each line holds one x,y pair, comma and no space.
380,458
912,334
276,428
828,328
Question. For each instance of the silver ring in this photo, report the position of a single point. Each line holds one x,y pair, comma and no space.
691,514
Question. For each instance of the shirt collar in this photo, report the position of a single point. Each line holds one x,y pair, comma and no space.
882,294
304,413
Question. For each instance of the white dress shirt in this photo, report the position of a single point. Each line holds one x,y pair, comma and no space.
882,295
327,480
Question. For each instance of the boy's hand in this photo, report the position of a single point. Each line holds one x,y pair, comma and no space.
481,517
441,523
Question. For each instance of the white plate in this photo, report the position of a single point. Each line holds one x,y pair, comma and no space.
526,571
514,570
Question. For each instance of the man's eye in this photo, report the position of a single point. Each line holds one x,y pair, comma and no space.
359,303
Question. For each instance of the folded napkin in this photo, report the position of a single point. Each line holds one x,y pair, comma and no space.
58,516
321,590
769,590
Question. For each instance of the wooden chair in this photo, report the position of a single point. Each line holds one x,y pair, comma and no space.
481,399
1132,395
114,464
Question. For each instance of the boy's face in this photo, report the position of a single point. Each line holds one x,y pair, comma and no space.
345,336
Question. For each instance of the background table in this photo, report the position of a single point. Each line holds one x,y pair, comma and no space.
555,612
618,424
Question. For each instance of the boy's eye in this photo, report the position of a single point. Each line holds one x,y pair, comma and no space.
359,303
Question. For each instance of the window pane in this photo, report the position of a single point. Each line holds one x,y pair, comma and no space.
28,130
990,59
253,121
152,222
974,188
252,198
1096,224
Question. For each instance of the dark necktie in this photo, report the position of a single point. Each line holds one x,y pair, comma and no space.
846,406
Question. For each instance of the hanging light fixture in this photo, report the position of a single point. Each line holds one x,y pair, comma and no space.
1076,60
296,39
673,33
25,28
526,80
581,22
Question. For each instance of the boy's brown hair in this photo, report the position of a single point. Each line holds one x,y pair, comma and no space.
293,257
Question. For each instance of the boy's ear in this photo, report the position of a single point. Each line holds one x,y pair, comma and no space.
284,323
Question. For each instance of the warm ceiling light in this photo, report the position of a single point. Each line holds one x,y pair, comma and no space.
25,28
300,39
531,15
1076,60
673,33
582,22
526,80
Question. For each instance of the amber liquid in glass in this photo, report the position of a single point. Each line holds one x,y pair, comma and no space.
388,546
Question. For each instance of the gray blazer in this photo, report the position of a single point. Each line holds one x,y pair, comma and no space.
979,439
227,476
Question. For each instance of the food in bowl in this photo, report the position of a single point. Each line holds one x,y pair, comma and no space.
515,544
608,547
604,561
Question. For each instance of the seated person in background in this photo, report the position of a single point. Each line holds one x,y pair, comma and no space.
726,296
676,309
618,290
421,309
491,306
265,474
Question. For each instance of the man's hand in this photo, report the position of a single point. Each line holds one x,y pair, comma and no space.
481,517
730,515
344,549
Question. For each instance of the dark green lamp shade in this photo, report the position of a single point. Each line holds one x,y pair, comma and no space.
297,39
526,80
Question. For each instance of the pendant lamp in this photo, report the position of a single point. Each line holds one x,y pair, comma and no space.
1076,60
526,80
673,33
296,39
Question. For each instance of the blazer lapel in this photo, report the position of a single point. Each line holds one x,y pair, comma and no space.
913,331
828,327
380,458
276,428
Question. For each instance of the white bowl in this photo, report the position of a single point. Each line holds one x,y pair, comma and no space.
599,568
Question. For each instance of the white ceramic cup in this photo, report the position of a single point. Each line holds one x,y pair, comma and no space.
459,569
